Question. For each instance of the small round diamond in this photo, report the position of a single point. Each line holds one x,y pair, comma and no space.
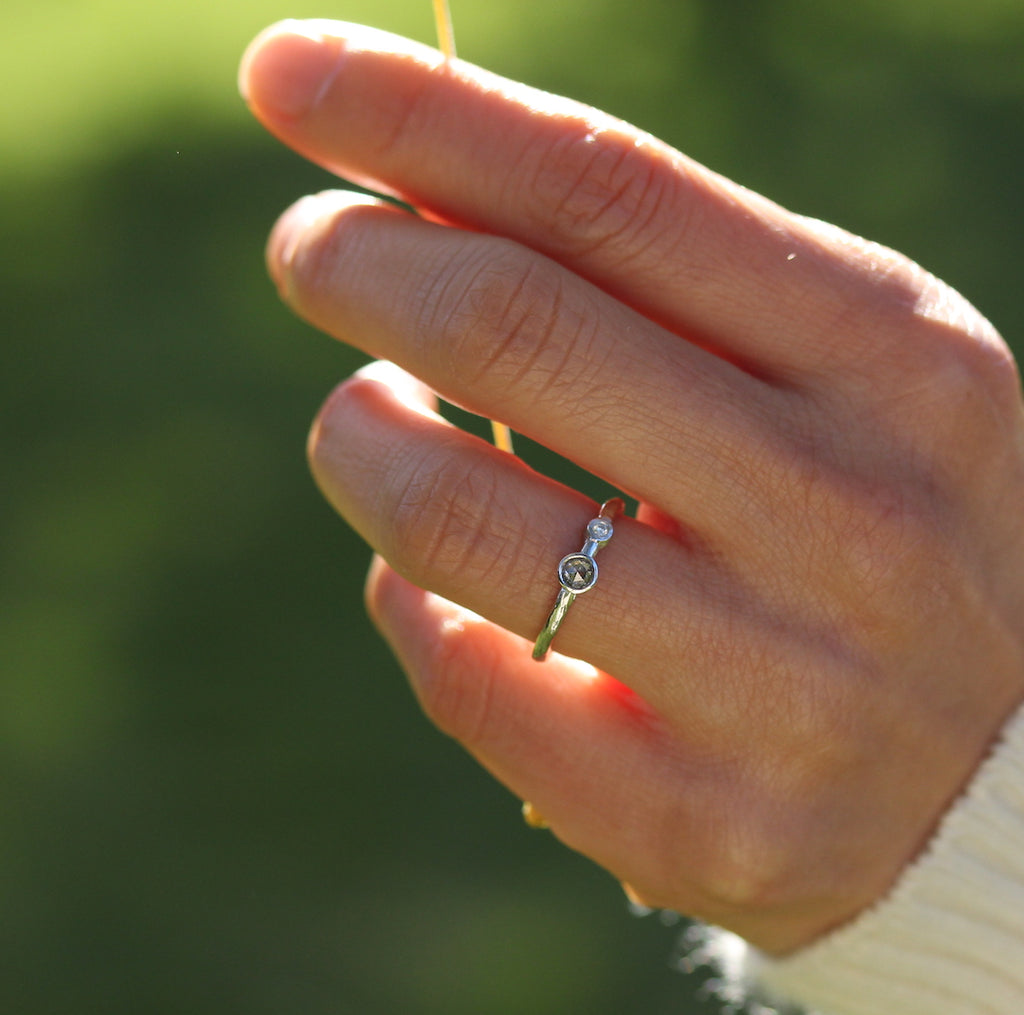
599,529
577,572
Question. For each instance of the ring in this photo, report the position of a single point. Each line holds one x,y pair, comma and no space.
577,572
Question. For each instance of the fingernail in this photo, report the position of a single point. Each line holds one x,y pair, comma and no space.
286,236
288,68
297,222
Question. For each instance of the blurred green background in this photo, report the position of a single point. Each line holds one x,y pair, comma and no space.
217,793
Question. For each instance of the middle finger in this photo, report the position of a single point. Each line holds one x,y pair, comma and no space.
504,332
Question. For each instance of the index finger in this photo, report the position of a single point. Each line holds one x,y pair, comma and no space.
708,259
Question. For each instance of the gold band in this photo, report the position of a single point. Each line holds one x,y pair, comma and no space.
577,572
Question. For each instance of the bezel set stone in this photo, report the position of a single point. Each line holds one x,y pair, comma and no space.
577,573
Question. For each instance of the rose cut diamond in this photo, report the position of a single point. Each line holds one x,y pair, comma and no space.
577,572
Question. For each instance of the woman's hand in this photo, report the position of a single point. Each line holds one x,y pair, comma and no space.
812,633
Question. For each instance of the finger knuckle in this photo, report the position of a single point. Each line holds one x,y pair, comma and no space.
498,318
747,877
970,373
602,188
942,353
752,859
961,346
443,520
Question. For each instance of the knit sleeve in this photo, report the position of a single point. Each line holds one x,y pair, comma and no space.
948,939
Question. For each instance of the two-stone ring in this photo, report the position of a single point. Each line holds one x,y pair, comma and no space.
577,572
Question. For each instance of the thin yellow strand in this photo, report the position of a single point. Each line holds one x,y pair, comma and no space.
502,437
446,40
445,36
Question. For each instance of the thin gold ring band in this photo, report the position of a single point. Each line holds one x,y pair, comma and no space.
577,572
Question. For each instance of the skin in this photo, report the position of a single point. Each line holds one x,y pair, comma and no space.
812,633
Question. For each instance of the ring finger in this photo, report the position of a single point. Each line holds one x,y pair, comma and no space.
457,517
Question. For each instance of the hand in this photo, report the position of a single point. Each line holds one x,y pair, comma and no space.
800,650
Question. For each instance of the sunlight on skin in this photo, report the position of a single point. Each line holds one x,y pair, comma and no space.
409,390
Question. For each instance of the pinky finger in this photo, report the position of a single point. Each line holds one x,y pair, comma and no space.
582,748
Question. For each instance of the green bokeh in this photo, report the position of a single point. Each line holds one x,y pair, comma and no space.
218,795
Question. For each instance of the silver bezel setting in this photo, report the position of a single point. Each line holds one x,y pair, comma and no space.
573,558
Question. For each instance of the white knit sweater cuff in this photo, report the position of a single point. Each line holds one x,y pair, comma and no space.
949,939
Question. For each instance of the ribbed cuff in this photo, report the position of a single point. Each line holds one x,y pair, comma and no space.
949,939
